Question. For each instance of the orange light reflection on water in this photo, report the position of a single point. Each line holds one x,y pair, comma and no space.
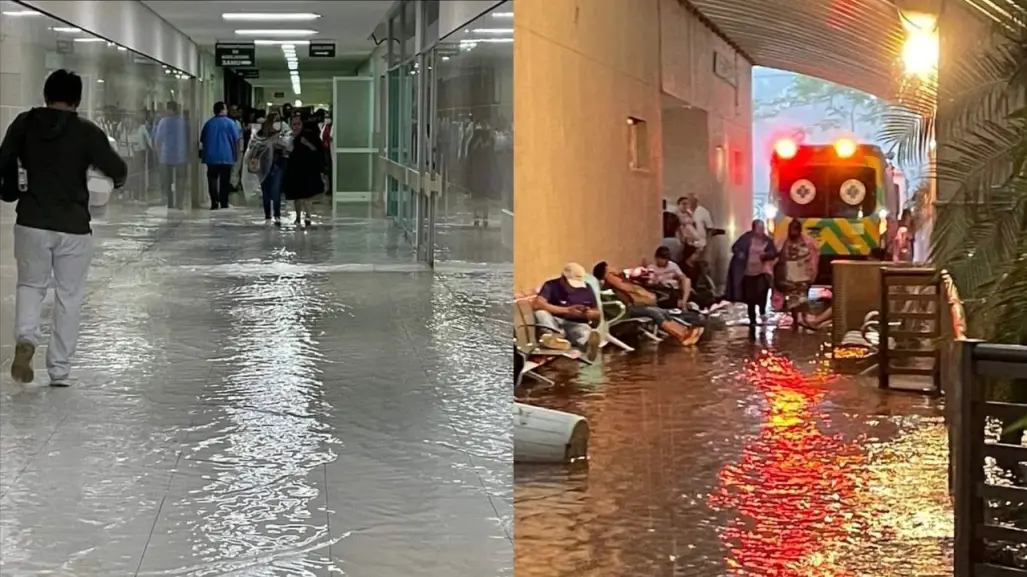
792,491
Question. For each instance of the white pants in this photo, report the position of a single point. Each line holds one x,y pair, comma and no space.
46,257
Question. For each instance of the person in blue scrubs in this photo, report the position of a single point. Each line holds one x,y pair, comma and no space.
219,148
171,142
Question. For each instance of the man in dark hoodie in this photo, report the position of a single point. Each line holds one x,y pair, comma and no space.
52,238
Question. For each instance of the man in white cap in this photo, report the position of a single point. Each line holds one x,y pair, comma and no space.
568,305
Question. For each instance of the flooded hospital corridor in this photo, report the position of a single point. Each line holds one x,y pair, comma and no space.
732,460
252,401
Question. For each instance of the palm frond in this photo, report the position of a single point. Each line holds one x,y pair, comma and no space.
979,228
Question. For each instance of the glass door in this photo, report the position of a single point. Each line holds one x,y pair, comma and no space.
431,179
354,151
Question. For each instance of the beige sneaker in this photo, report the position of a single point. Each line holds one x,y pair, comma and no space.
21,367
555,342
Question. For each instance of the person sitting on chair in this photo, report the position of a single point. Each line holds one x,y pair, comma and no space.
641,303
667,275
568,305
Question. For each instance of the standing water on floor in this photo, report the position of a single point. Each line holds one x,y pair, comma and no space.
741,459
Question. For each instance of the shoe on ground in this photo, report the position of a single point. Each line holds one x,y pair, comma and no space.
60,382
278,222
592,346
21,367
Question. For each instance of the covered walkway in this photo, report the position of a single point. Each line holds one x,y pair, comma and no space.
263,402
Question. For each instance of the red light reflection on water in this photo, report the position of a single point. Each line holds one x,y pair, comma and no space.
792,492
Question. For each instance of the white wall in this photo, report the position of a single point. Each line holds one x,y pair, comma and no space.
129,23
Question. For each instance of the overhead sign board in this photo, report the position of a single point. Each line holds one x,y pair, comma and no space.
321,50
278,95
247,72
235,54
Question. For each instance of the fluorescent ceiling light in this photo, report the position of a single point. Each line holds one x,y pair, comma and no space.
470,41
280,42
89,40
493,30
503,15
20,13
66,29
269,16
122,49
275,32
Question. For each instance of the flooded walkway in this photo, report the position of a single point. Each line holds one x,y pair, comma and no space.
260,402
704,464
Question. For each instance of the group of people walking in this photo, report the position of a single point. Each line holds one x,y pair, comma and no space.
286,157
53,243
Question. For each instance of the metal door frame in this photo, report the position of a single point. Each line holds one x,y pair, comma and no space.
371,151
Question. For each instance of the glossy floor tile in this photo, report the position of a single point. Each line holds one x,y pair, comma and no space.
258,402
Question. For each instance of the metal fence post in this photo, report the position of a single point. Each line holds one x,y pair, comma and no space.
883,360
968,430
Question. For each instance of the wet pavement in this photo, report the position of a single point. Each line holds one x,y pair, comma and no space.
703,464
263,402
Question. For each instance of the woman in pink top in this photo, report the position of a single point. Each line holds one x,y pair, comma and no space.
796,269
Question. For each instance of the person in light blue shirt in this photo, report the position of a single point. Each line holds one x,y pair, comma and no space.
171,142
219,147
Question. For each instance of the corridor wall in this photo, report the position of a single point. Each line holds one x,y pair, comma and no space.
702,71
126,93
583,70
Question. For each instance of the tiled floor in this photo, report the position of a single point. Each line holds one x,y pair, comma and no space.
263,402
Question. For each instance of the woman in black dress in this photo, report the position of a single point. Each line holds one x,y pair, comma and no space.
303,173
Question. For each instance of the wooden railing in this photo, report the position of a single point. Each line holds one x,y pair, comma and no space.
986,541
910,327
984,544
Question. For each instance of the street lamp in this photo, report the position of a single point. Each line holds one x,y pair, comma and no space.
920,49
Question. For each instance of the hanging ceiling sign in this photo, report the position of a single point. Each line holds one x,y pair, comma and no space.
321,50
235,54
247,72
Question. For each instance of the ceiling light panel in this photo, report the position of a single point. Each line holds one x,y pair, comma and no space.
275,32
265,42
269,16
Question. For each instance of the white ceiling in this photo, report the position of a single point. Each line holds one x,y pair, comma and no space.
348,23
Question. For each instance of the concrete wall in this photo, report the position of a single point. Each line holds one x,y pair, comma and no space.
688,50
582,69
686,152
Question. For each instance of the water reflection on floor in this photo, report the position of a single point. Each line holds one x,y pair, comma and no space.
703,464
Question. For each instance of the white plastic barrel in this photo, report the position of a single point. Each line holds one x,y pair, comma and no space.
546,436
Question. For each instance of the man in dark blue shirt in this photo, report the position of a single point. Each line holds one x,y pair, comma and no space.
219,142
567,304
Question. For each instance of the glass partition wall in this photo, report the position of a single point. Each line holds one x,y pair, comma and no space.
127,94
448,153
